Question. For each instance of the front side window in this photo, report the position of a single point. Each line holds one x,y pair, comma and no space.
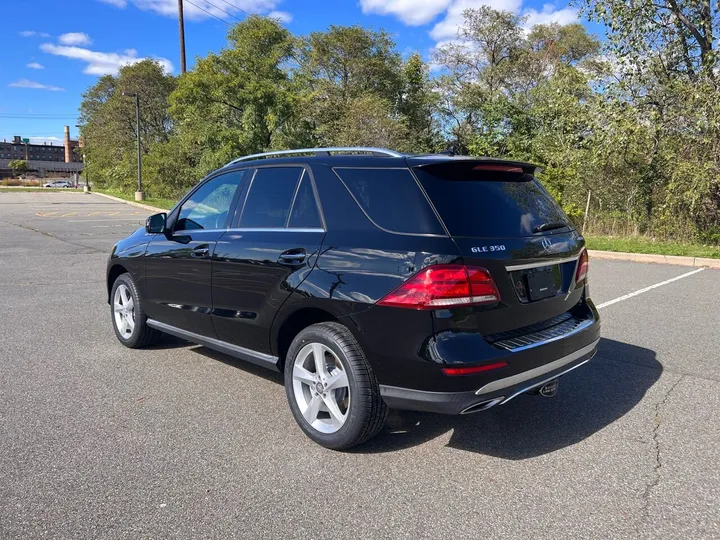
209,206
270,197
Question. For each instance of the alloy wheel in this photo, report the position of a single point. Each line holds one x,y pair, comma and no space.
124,311
321,388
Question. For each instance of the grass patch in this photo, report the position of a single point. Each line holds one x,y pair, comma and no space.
639,244
165,204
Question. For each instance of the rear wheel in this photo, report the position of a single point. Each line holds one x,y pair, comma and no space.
129,319
332,391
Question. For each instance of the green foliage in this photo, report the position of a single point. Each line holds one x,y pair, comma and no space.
635,121
18,166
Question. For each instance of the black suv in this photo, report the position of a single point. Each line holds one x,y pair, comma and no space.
373,279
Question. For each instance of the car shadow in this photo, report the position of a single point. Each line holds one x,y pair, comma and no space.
589,399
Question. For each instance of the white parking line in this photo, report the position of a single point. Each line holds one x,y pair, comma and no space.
646,289
108,219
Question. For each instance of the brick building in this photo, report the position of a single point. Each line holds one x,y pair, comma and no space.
16,149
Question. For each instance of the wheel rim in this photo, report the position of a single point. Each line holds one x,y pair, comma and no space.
124,311
321,388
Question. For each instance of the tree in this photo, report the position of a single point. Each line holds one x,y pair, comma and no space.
108,120
345,64
18,166
418,106
241,100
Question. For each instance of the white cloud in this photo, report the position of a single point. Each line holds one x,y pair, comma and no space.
411,12
101,63
204,9
25,83
448,27
75,38
33,33
35,65
549,14
282,16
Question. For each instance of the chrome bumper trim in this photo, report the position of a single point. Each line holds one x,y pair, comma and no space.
500,384
548,331
541,262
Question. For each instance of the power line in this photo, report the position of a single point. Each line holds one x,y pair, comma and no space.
225,12
236,7
206,11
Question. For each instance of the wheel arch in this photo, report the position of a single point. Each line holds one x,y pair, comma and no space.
114,272
292,324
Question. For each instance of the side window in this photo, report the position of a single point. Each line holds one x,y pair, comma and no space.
209,206
305,210
392,199
271,194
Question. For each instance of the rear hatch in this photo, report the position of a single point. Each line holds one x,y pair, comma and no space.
502,219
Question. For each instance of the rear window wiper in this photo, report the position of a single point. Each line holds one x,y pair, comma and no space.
550,226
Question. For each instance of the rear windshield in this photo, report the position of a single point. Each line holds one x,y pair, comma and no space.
490,203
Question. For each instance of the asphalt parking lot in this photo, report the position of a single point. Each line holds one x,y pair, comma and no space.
177,441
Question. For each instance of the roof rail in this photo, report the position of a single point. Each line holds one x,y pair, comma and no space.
323,152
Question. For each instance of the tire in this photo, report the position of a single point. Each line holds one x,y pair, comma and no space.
358,413
134,331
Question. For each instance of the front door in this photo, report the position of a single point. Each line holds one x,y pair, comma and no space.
258,264
178,262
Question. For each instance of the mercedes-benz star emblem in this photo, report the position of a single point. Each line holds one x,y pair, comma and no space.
546,244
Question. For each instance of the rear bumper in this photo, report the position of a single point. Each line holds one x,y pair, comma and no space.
497,392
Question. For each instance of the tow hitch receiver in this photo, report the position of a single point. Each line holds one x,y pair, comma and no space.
549,389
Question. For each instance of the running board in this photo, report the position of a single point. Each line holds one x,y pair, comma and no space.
254,357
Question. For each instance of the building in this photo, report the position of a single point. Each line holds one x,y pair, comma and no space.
17,149
44,157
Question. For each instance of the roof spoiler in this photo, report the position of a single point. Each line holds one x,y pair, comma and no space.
460,164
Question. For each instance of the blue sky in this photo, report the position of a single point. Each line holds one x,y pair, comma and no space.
60,48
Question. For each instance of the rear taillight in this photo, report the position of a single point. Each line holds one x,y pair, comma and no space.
582,267
444,286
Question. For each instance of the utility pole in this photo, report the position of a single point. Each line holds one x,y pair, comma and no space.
181,23
139,195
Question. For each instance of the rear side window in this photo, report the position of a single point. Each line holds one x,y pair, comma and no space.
392,199
484,203
305,211
270,197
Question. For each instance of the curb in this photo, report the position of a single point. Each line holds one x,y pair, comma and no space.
652,258
131,203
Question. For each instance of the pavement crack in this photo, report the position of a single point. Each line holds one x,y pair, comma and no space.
657,448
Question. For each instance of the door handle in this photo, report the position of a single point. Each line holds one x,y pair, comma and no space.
293,257
201,252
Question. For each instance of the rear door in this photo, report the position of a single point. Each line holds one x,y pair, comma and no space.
502,219
178,262
269,251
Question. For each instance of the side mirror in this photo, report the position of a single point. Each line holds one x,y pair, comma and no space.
156,223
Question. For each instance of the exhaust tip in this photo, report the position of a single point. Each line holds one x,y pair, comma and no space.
483,405
550,389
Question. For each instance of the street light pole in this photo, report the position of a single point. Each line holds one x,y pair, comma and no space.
86,189
139,195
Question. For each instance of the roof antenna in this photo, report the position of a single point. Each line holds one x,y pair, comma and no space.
449,152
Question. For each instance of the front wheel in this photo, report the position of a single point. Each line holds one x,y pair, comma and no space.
331,389
129,319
